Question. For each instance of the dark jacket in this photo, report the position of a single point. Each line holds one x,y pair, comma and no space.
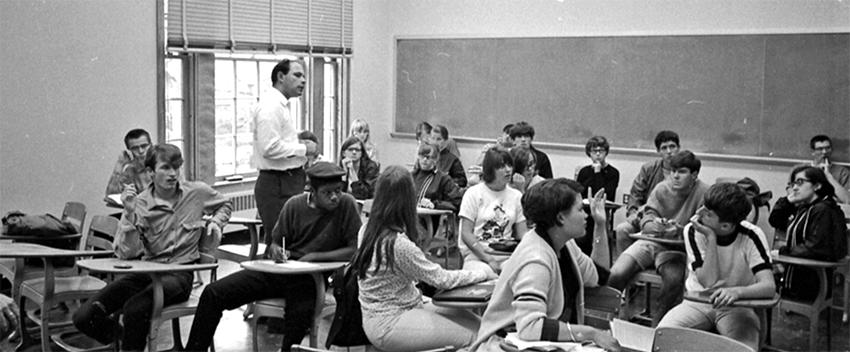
442,191
450,164
815,231
364,187
544,167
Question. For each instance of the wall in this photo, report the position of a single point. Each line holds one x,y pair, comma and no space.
378,22
76,75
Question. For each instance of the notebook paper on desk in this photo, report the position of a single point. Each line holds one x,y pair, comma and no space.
523,345
632,336
294,264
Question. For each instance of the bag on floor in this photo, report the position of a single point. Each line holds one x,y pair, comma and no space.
347,326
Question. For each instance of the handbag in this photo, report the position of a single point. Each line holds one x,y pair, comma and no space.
347,326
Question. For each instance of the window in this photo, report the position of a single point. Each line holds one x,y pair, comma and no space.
210,97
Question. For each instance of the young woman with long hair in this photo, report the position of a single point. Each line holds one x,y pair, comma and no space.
389,262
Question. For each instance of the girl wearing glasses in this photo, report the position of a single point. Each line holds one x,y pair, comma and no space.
815,228
360,171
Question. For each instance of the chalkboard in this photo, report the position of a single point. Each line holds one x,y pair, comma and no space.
750,95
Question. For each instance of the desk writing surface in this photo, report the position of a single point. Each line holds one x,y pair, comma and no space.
660,240
748,95
705,297
32,250
121,266
290,266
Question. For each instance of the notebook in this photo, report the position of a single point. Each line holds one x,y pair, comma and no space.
473,293
632,337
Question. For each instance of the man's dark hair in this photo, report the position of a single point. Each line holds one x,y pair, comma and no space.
819,138
134,134
522,128
666,136
307,135
282,67
542,202
422,127
494,159
596,142
685,159
507,128
522,158
167,153
442,130
728,201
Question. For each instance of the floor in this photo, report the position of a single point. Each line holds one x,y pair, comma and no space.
790,332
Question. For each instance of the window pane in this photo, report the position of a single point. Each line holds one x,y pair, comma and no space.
224,163
224,117
244,149
246,79
266,68
174,78
243,114
173,121
223,79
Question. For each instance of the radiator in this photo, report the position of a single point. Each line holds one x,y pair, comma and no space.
243,201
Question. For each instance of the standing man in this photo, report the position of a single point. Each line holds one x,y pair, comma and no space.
837,175
129,170
165,224
650,175
523,134
278,152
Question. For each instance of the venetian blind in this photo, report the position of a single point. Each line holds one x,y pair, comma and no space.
323,26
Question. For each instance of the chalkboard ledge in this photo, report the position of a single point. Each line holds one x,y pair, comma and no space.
636,152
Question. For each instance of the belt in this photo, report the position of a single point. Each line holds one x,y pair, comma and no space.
282,172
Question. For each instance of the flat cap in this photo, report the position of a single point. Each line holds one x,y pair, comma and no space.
325,170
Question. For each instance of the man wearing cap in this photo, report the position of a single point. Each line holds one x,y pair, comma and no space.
319,226
278,152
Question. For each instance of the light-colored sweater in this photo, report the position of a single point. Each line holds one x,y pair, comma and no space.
394,292
664,202
530,289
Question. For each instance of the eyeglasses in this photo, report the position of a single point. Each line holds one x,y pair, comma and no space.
798,182
598,151
354,149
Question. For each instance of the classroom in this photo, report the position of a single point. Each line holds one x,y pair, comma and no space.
78,74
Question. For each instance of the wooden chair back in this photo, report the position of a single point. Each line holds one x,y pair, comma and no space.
75,213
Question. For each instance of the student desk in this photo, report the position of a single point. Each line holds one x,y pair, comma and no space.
237,252
294,267
757,303
675,243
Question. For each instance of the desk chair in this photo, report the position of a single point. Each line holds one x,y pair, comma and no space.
671,339
174,312
50,289
601,305
74,213
647,279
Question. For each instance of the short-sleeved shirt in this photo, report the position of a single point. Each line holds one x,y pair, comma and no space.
494,213
739,257
308,229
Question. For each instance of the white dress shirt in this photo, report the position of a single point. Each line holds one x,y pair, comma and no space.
276,145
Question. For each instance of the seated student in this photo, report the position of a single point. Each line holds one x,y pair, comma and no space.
523,134
650,175
598,175
525,170
360,129
669,207
434,188
319,226
423,133
837,175
389,262
490,212
538,290
815,228
449,163
129,170
164,223
8,316
727,259
504,141
360,171
311,158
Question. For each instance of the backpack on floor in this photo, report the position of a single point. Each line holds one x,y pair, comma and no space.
347,326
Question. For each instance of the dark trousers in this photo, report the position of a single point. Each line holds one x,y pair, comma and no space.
271,191
133,294
246,286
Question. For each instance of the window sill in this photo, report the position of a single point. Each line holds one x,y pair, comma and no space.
245,180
